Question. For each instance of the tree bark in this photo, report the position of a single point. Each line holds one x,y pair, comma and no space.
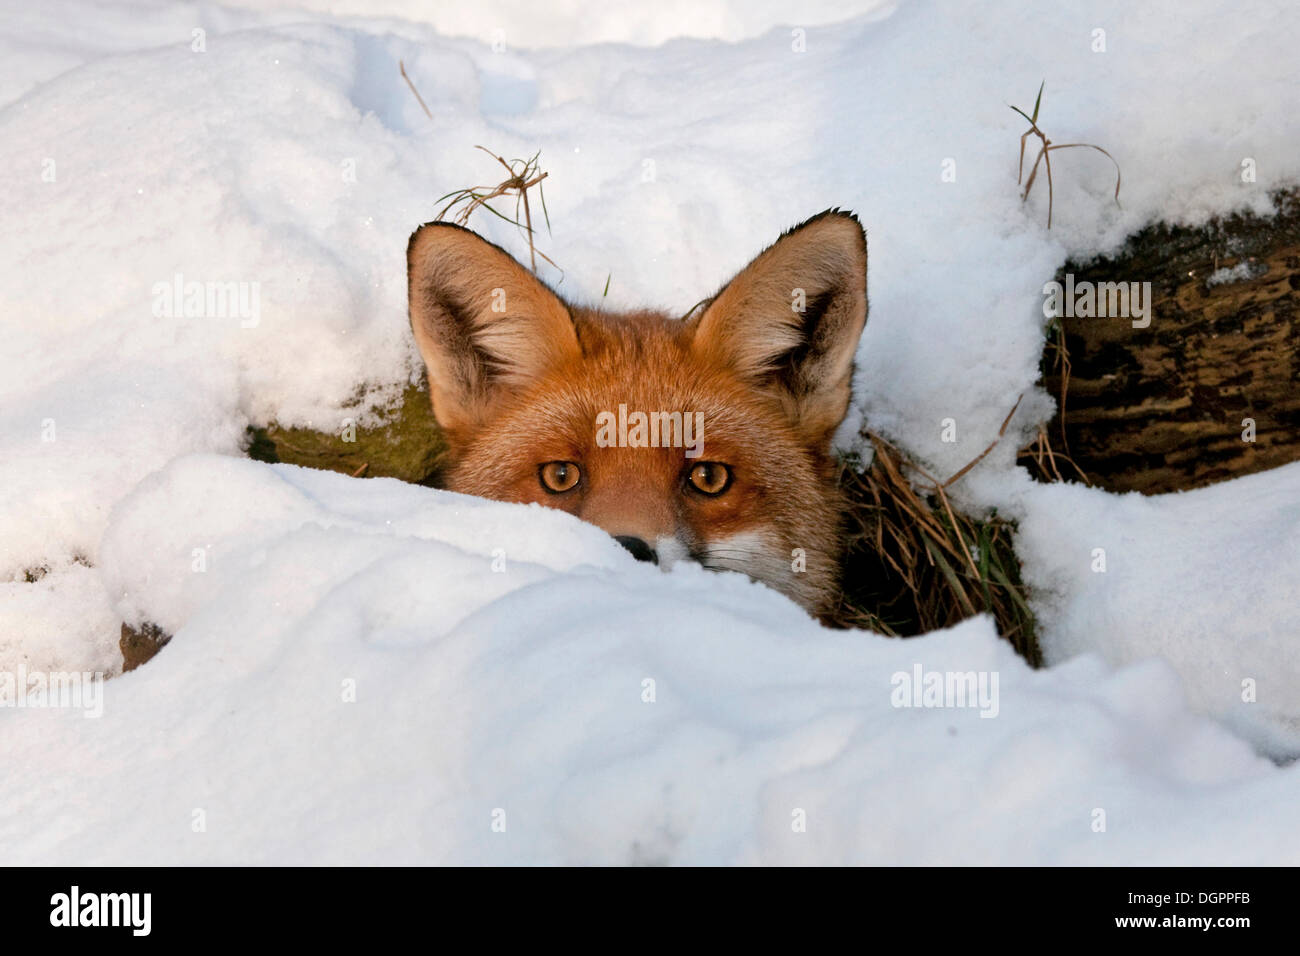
1170,406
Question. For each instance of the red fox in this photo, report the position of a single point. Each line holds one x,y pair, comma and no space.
705,439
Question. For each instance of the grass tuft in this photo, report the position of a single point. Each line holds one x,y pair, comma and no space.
1045,155
915,563
524,174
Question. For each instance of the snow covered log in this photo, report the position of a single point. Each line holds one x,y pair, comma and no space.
1210,388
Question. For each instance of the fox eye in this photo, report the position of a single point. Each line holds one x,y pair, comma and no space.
559,476
710,478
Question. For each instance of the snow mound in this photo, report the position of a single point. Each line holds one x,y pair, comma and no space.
1205,579
575,706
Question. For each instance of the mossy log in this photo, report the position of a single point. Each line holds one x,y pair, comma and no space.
407,444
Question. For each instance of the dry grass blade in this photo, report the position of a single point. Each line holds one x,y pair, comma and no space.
1118,173
1045,458
402,69
1062,359
993,444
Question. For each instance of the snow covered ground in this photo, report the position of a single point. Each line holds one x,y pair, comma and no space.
353,680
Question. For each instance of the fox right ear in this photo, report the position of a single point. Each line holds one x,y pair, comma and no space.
790,321
481,320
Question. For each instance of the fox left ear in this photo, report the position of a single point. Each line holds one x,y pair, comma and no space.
791,320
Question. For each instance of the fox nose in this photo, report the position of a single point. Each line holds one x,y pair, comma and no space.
639,549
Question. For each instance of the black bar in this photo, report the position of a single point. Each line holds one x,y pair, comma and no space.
333,904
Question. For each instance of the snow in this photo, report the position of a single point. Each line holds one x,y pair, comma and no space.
481,691
1239,273
564,23
1205,579
289,158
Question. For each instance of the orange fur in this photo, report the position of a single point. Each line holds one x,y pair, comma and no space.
518,378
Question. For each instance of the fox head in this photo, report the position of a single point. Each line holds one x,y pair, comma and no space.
703,439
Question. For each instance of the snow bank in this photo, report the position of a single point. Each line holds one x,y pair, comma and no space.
413,699
566,23
1207,580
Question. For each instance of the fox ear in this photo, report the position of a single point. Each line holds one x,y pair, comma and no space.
481,320
791,320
